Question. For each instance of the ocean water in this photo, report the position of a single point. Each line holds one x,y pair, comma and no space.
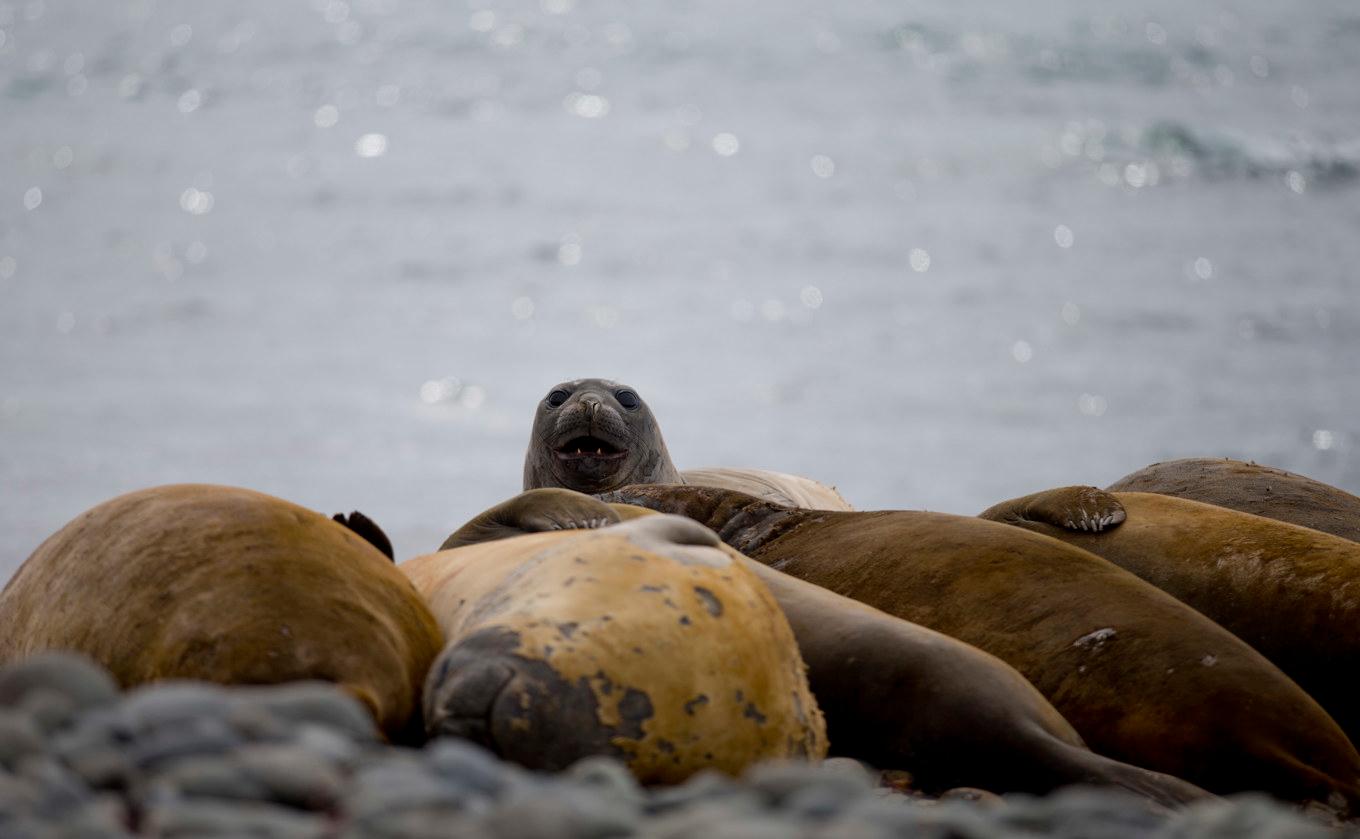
936,254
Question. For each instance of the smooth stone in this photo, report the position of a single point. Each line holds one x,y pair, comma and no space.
327,744
172,704
292,775
401,784
81,681
707,786
609,777
706,819
472,767
49,709
319,703
19,738
778,780
972,795
1247,815
559,812
425,823
192,737
211,819
1077,811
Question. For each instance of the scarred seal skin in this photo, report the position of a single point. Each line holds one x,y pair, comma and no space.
1251,488
895,694
1142,677
1291,592
195,581
646,640
596,435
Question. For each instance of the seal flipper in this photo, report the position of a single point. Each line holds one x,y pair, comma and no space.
368,529
534,511
1078,508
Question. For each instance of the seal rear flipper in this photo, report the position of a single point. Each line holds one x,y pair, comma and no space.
1158,787
368,529
1080,508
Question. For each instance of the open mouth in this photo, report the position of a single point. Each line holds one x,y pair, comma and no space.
580,448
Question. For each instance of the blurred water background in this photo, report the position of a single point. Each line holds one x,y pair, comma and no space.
937,254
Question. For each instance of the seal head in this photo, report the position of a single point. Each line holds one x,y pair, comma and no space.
594,435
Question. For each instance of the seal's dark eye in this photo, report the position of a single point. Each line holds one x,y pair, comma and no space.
628,399
557,397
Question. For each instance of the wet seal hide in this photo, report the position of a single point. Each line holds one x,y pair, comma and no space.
194,581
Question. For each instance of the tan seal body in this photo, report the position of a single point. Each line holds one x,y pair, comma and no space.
1141,676
646,640
1292,593
228,585
1251,488
776,487
895,694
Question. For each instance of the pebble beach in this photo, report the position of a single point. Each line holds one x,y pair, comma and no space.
79,760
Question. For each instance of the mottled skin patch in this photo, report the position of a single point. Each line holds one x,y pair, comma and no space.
1291,592
603,662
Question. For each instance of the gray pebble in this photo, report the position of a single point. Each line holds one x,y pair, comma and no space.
424,823
703,819
778,780
319,703
559,811
50,711
173,703
19,738
210,819
191,737
1078,811
293,775
399,784
84,684
609,777
473,768
706,786
1245,815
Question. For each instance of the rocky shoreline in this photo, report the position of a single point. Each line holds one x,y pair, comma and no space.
185,759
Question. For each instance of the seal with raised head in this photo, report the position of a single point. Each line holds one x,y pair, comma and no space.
645,640
1291,592
595,435
195,581
1251,488
1142,677
895,694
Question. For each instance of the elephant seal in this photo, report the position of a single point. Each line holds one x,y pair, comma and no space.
972,719
1142,677
1251,488
1291,592
195,581
646,641
595,435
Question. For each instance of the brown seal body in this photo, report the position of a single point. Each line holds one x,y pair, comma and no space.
647,640
895,694
1141,676
1292,593
1251,488
595,435
224,584
776,487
